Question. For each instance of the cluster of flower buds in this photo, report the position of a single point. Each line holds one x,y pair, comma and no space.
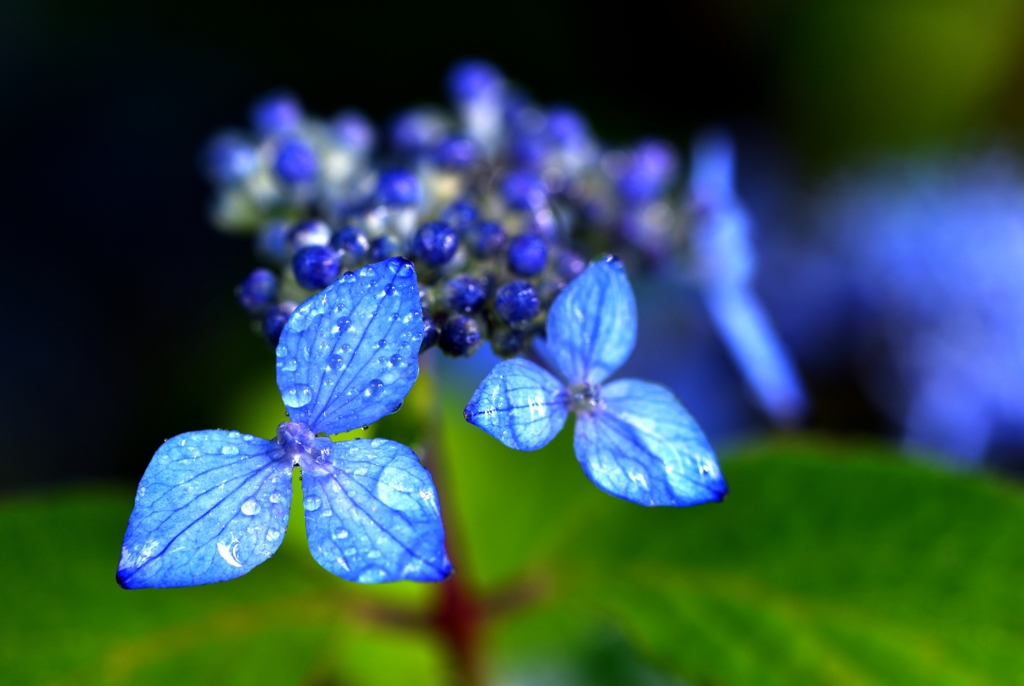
499,203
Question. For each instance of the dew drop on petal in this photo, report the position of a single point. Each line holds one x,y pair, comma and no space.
250,507
336,362
273,534
390,289
374,388
372,575
275,497
298,395
312,503
229,450
340,534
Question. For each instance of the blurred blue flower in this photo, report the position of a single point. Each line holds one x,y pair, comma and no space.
214,504
633,438
724,265
926,292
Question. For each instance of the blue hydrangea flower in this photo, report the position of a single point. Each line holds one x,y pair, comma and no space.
214,504
633,438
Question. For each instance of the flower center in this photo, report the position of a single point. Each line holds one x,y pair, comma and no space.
584,397
296,438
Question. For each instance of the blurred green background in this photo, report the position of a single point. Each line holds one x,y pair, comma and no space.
834,560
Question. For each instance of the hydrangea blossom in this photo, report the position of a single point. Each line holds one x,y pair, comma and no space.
502,190
214,504
633,438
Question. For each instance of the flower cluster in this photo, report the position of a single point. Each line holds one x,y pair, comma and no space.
471,227
499,203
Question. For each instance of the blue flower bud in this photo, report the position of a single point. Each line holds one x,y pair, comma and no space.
651,168
258,291
473,80
397,187
296,162
308,233
382,248
486,239
524,190
351,245
507,342
460,215
459,336
464,294
354,131
418,130
272,241
431,332
457,152
276,113
275,319
316,267
527,254
567,127
517,303
228,158
435,243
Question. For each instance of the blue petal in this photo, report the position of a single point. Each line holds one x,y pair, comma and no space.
211,506
349,355
592,324
520,404
642,445
372,513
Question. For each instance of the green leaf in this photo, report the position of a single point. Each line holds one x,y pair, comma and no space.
66,621
827,564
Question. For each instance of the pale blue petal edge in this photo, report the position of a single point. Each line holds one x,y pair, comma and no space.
372,513
642,445
349,355
591,328
211,506
520,404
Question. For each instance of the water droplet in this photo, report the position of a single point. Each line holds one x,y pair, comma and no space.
275,497
250,507
374,388
273,534
342,325
372,575
229,450
298,396
396,360
373,554
281,351
394,317
390,289
336,362
289,365
346,348
340,534
312,503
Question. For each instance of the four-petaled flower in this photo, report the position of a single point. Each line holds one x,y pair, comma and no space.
214,504
633,438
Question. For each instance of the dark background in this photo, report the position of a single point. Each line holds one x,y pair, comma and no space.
119,327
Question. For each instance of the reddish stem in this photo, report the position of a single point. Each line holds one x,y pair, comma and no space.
458,618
